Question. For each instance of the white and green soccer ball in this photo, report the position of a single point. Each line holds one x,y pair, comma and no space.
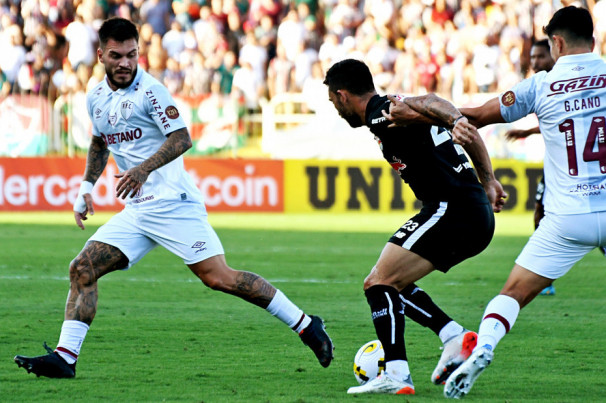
369,361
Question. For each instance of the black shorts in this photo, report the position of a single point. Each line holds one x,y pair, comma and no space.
446,233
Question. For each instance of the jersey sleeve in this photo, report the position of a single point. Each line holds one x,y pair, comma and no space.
162,108
520,100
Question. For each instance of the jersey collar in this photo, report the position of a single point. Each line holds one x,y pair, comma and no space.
579,58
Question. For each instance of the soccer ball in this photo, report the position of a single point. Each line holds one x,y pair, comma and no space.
369,361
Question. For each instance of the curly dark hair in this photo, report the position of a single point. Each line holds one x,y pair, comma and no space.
118,29
574,24
351,75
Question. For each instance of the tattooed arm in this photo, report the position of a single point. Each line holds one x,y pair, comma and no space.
434,107
442,112
422,109
96,161
440,109
400,114
133,179
95,164
430,109
481,162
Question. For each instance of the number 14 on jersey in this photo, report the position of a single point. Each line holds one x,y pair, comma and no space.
597,134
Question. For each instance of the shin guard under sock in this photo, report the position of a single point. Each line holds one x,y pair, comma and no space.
388,318
421,308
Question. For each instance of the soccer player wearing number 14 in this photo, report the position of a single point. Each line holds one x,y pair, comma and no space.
570,103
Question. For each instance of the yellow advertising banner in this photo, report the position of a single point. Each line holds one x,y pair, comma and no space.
366,186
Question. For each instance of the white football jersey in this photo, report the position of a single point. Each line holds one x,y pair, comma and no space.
570,102
134,123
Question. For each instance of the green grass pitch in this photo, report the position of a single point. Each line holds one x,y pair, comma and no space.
160,335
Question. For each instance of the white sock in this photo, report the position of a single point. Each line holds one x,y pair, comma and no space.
500,315
72,335
397,369
451,330
282,308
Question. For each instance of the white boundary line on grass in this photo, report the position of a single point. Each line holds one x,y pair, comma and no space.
155,280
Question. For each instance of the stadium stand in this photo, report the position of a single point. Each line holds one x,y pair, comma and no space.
235,56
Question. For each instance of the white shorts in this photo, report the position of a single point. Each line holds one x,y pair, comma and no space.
180,227
561,241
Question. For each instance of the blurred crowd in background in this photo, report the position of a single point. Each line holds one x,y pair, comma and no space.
254,50
260,48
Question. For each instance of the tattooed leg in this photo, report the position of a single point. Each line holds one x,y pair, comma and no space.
95,260
216,274
254,288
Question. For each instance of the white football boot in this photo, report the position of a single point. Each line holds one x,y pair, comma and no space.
459,383
385,384
455,351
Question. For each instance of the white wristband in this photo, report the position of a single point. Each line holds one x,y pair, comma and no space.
80,204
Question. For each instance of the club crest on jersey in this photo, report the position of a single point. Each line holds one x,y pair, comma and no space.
171,112
126,109
112,119
508,99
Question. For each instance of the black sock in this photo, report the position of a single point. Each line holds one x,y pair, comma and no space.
421,309
388,317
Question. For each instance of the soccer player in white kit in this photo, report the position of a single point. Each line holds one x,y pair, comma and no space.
135,118
570,103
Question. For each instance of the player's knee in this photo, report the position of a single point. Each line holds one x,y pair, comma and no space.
213,282
375,277
81,272
217,280
215,274
369,281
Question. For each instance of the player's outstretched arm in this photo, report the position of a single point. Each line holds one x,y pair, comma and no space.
481,161
486,114
431,109
401,114
131,180
434,107
96,161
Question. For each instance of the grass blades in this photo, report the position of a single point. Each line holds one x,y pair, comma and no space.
160,335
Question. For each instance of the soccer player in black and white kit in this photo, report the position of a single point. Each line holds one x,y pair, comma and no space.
455,222
135,118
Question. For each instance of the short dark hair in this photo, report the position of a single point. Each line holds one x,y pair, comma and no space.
351,75
542,43
573,23
118,29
